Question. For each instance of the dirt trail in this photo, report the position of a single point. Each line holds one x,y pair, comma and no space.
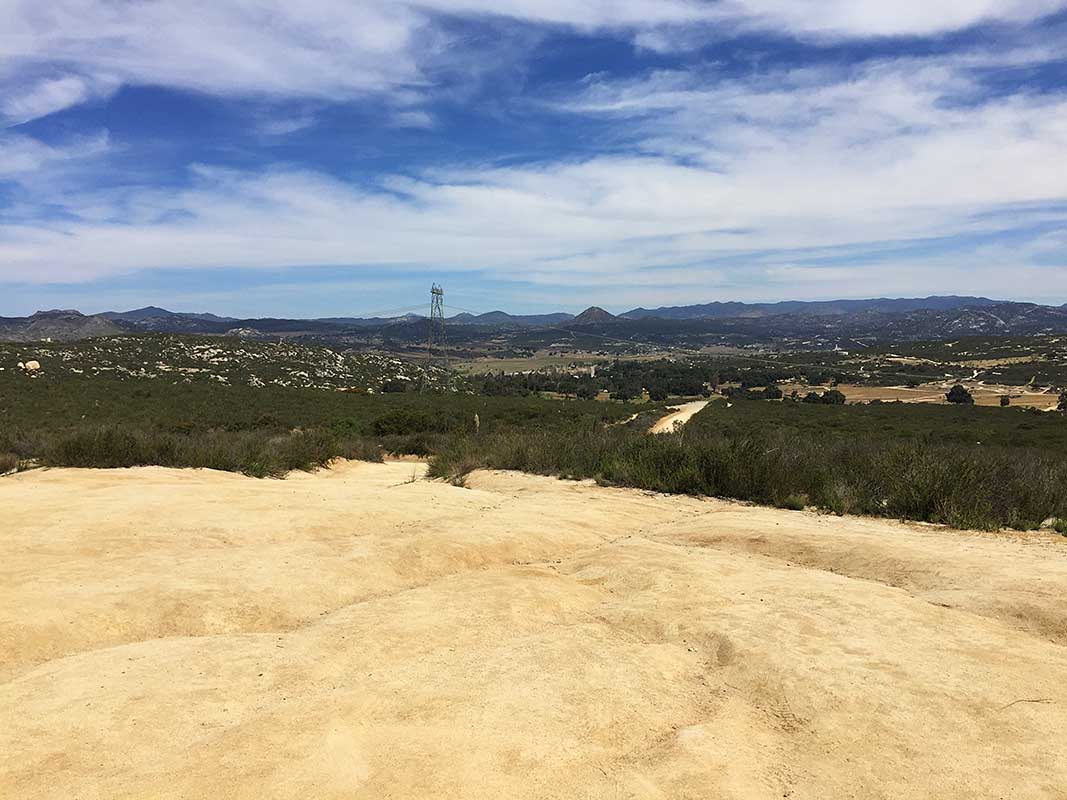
681,415
351,634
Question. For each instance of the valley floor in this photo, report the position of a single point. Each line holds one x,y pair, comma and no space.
363,633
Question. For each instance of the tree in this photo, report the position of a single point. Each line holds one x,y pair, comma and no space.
1005,401
833,398
685,386
657,393
812,397
772,392
959,394
1063,402
587,391
394,387
626,392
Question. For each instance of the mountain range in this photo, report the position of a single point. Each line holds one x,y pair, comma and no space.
932,317
813,308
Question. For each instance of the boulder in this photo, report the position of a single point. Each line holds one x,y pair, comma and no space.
32,366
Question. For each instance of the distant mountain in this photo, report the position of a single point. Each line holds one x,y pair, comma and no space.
1017,319
368,322
60,325
155,312
138,314
998,319
159,320
592,315
502,318
880,305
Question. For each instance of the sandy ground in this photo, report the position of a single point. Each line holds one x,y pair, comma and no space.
358,634
679,417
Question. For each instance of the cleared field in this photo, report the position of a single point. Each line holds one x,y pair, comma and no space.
545,360
985,394
356,633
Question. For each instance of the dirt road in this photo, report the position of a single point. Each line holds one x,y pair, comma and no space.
681,415
353,634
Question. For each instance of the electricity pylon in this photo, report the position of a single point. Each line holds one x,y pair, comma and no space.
436,340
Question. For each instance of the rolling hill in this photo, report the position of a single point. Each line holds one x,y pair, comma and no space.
811,308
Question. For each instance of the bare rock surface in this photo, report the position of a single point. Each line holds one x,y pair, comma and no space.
353,634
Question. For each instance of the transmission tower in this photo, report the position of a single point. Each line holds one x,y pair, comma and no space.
436,339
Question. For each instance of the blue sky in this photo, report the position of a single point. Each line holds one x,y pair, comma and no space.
331,158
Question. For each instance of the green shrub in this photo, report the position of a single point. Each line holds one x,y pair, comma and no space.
253,453
401,421
958,485
833,397
959,394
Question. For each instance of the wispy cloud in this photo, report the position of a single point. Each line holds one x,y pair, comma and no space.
339,50
23,157
285,125
860,18
49,95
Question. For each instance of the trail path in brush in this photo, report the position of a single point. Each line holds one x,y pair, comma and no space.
678,417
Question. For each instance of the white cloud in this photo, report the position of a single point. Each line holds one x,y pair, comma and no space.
49,95
24,156
341,49
780,171
411,118
318,49
284,125
856,18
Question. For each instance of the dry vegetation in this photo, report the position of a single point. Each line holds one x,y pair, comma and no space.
967,467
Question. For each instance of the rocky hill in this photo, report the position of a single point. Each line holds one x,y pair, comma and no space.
229,361
593,315
56,325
